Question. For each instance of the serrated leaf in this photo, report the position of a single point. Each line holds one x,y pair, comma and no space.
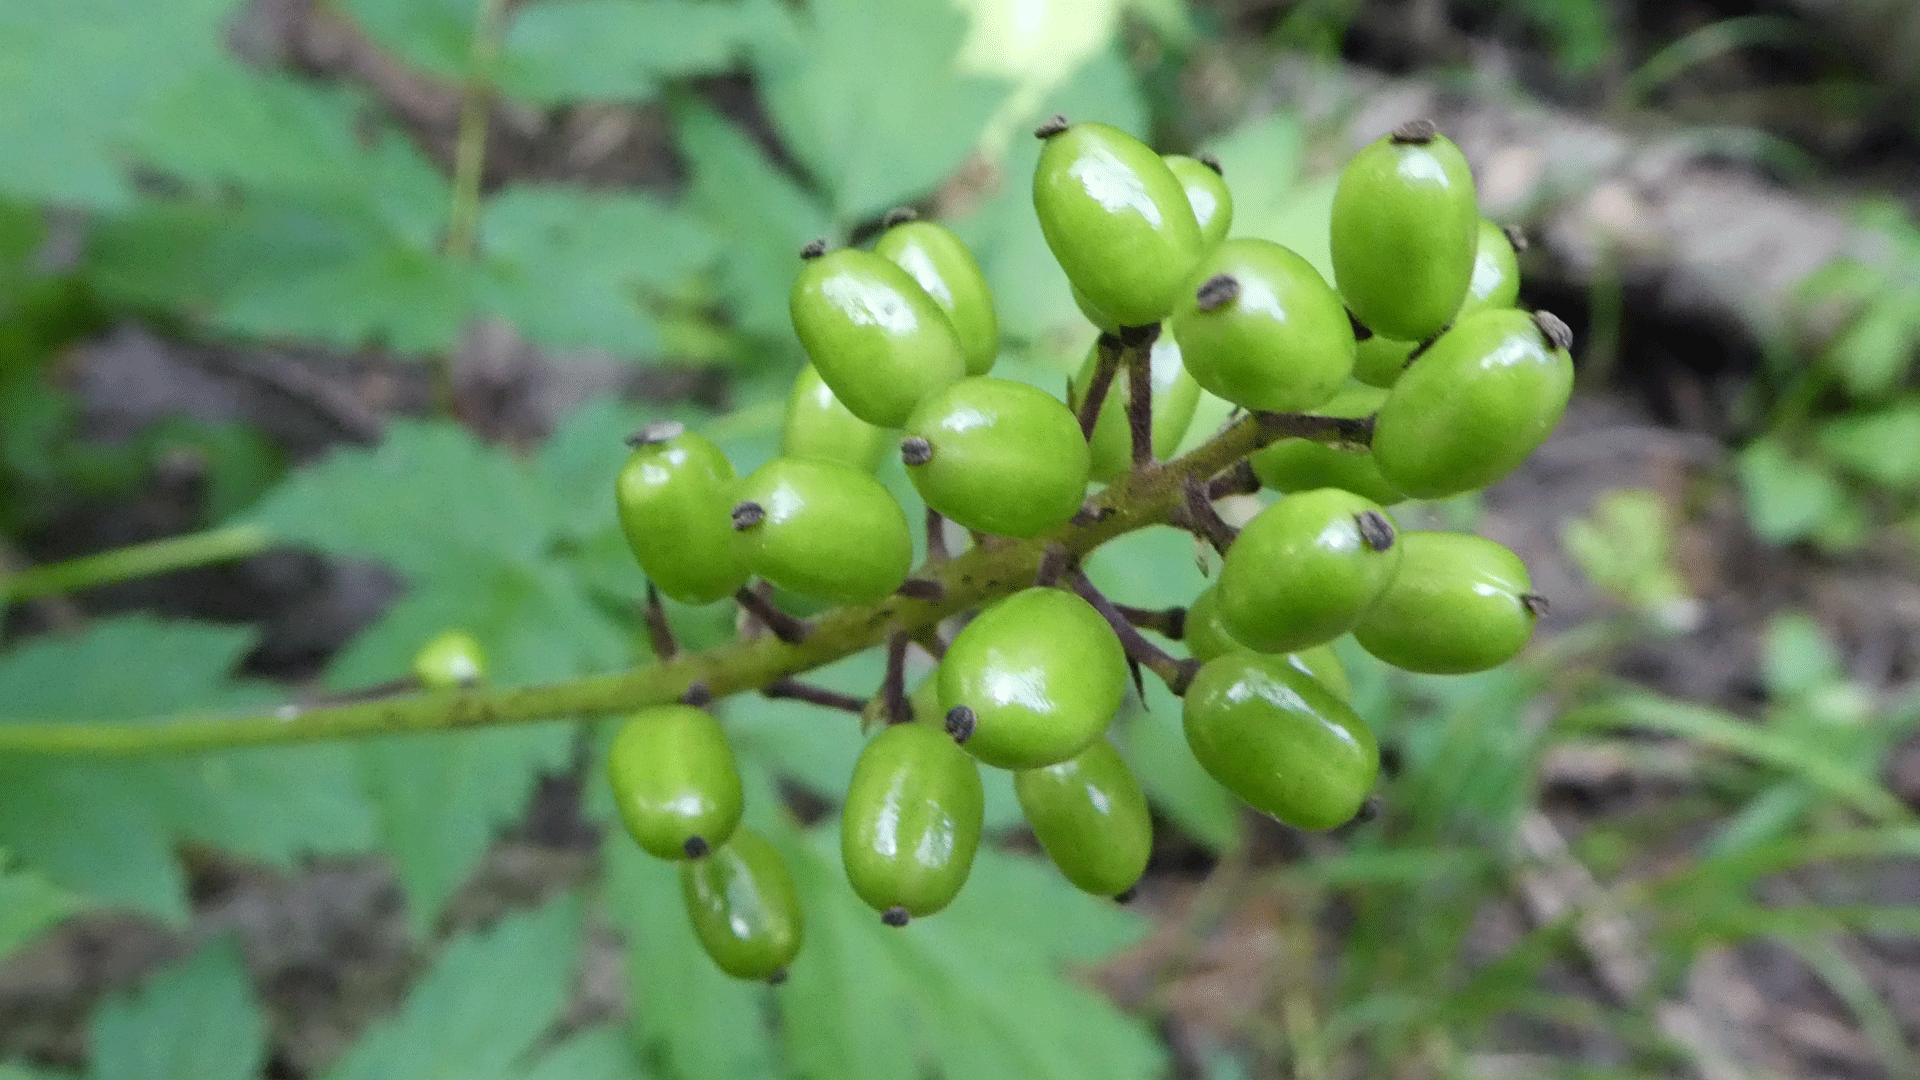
196,1020
740,195
29,904
877,133
602,1053
1883,446
480,1008
617,50
690,1021
1788,497
74,74
106,829
973,991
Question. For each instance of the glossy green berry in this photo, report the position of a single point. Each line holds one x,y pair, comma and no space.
1324,665
1117,220
1496,271
1292,465
452,659
874,334
1175,397
1405,228
673,495
1476,404
1033,680
912,821
1090,817
1304,571
1207,639
943,266
1260,328
1207,193
743,907
1280,740
674,781
1098,318
1459,604
1378,361
823,529
818,426
998,456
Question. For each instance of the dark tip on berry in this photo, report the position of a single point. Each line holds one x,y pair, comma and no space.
1368,811
1215,292
915,450
696,847
657,432
1210,162
1135,337
1535,604
1361,331
1516,238
779,976
922,589
960,723
895,916
1415,132
814,249
899,215
747,514
1126,897
1051,126
696,695
1375,529
1558,333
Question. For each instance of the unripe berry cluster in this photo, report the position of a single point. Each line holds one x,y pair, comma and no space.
1424,378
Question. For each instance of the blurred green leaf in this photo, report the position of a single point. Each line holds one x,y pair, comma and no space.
195,1020
481,1007
432,35
1873,351
1788,496
1797,657
1883,445
601,1053
617,50
29,904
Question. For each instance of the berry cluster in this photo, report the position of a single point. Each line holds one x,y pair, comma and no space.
1416,373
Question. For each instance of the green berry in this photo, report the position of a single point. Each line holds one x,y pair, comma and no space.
1090,817
1472,408
1292,465
673,495
1378,361
451,660
943,266
743,907
1459,604
674,781
1324,665
1117,220
1208,195
874,334
998,456
1208,639
1280,740
1261,329
1094,315
818,426
1175,397
1304,571
823,529
912,821
1496,272
1405,228
1033,680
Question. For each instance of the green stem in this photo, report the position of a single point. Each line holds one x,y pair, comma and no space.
1146,496
469,165
136,561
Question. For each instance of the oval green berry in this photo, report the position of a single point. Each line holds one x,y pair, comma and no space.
674,781
1496,272
1261,329
1280,740
941,263
819,426
743,907
452,659
1116,219
673,495
1405,228
1090,817
874,334
1304,571
1033,680
1378,361
1459,604
912,821
1208,195
1472,408
1324,665
1208,638
1175,398
823,529
998,456
1292,465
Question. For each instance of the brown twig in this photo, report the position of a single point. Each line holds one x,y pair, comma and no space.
1167,622
1107,363
813,695
1176,673
659,631
784,626
1137,354
893,687
1200,518
936,538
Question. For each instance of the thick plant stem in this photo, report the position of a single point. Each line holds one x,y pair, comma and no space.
1141,498
137,561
